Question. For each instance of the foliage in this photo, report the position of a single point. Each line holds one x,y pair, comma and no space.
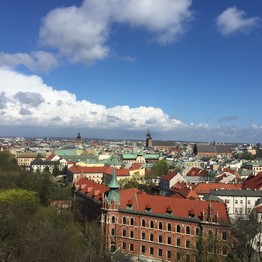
158,170
16,208
243,233
41,183
8,162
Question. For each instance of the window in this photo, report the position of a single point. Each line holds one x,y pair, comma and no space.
178,256
124,220
224,235
160,239
143,235
160,226
151,237
168,254
123,232
169,240
143,223
131,247
240,210
187,243
160,252
152,224
131,221
112,232
151,251
198,231
169,228
124,245
187,258
236,201
178,242
241,201
143,249
113,220
188,230
178,228
248,201
131,234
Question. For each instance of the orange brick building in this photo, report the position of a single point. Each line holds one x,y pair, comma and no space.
163,228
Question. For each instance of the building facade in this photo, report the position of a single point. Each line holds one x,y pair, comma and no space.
158,228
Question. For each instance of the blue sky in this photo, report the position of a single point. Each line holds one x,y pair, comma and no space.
185,70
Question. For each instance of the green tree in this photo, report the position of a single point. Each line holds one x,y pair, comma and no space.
158,170
16,208
41,183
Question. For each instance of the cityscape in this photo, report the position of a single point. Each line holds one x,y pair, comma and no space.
153,200
130,130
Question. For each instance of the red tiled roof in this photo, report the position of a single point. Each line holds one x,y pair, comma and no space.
205,188
49,158
91,188
180,207
187,193
177,186
135,166
194,171
253,182
169,176
119,171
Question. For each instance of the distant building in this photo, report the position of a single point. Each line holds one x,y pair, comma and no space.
149,141
78,141
212,150
25,159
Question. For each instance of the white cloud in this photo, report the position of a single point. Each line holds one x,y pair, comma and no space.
235,20
35,61
81,34
27,101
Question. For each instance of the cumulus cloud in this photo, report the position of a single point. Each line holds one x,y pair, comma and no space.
235,20
81,34
35,61
29,96
29,104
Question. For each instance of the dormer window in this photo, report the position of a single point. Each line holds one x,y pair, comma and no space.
169,210
148,208
129,204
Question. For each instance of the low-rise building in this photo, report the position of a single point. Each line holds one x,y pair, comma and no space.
239,202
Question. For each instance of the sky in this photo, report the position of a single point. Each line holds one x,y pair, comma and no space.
183,69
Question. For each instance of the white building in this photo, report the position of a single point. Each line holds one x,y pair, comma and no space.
239,202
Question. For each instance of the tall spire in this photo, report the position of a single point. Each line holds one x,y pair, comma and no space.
113,195
113,183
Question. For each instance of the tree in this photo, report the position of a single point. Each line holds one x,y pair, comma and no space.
16,208
243,237
41,183
158,170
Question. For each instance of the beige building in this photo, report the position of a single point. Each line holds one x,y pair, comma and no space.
25,159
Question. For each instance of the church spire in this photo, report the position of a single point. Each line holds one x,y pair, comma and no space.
113,195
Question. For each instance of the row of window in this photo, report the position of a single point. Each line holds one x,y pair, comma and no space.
227,201
160,251
160,237
151,237
160,225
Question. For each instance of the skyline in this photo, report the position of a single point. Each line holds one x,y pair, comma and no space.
185,70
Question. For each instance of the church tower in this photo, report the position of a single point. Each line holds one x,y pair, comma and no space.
78,141
149,141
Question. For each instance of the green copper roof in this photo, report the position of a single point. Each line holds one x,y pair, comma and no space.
113,183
